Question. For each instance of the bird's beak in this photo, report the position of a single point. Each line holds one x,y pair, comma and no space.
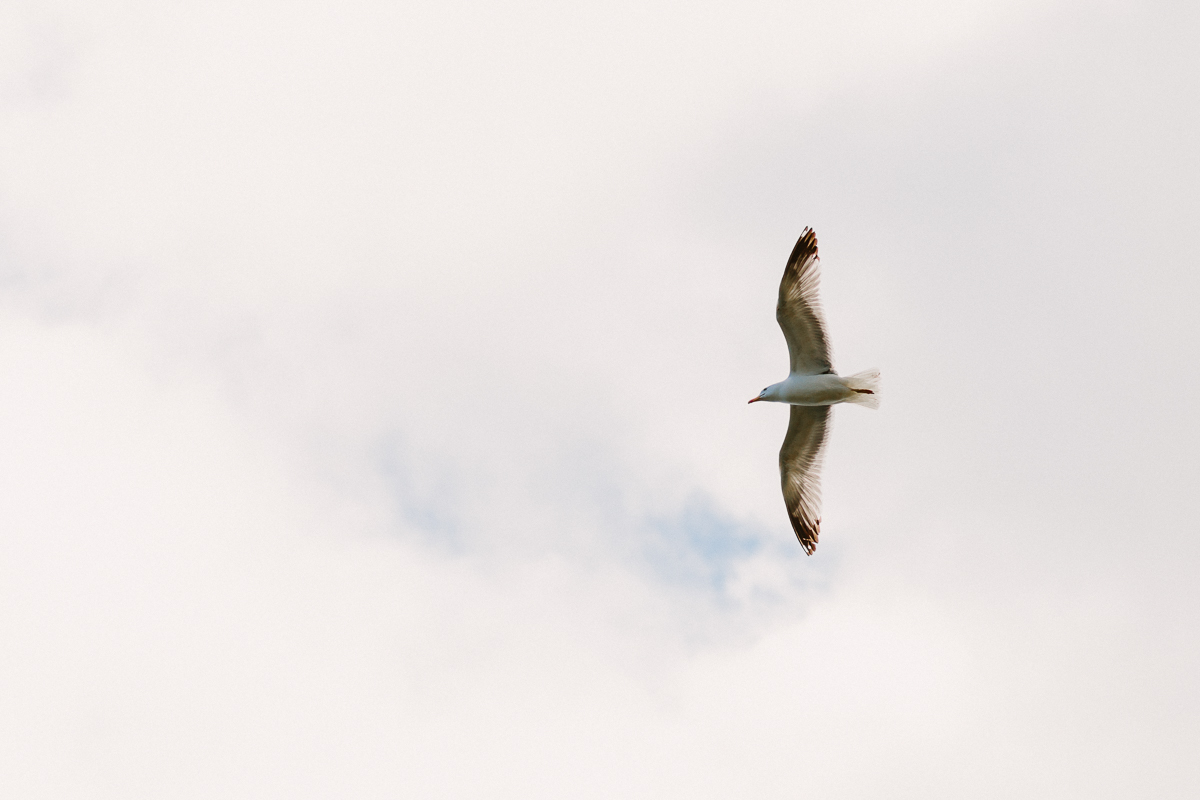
755,400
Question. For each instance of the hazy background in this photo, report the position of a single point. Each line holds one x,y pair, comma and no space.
373,385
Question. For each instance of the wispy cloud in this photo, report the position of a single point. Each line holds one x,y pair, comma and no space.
373,384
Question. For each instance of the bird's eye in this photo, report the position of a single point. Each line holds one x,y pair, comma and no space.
764,391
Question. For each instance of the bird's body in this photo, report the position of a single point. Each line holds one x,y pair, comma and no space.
810,388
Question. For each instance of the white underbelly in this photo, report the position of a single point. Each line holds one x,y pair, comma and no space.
815,390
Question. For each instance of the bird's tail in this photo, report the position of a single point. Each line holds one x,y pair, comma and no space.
866,388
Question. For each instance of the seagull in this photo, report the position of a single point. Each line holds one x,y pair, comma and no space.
810,389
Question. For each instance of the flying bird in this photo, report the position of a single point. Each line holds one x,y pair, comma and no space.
810,389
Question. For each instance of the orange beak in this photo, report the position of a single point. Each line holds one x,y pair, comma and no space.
755,400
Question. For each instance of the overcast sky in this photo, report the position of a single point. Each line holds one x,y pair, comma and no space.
373,385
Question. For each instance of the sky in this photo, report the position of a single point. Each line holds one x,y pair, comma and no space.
373,385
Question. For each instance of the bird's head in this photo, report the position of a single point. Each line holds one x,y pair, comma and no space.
765,394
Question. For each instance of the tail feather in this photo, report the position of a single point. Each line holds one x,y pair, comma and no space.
866,387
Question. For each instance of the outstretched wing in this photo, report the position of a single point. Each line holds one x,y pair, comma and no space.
800,471
799,310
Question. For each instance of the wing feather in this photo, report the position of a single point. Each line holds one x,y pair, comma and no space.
800,471
799,310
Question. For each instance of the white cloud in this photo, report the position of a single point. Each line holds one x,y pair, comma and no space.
374,389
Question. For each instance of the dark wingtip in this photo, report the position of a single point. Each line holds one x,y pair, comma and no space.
806,246
807,537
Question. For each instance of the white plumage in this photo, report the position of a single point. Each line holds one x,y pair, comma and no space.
812,386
